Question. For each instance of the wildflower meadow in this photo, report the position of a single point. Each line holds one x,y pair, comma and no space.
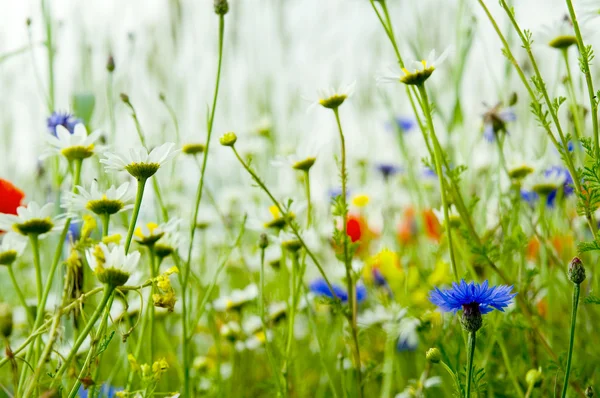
299,198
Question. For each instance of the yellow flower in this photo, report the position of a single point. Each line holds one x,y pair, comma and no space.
360,200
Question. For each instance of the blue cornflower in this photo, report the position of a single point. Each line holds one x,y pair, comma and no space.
563,173
404,123
387,169
494,121
74,232
404,344
319,287
554,175
335,192
472,296
106,391
64,119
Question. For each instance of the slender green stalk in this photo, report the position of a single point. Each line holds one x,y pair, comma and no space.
308,199
108,291
105,224
110,99
285,215
470,355
151,309
348,261
576,290
35,248
186,356
575,111
388,366
92,351
136,211
292,315
507,363
439,170
588,74
50,51
22,300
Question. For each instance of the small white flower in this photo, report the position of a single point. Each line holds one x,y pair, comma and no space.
111,201
332,98
302,158
236,299
421,70
138,162
114,257
78,145
31,219
12,246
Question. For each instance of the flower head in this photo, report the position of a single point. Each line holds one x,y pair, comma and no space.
320,288
494,121
73,145
110,263
63,119
138,162
422,70
10,197
332,98
12,246
464,295
150,233
560,34
30,220
236,299
109,202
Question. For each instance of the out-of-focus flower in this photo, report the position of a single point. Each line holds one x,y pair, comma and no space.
388,170
495,120
332,98
421,70
63,119
560,34
11,248
404,123
30,220
10,197
320,288
408,229
236,299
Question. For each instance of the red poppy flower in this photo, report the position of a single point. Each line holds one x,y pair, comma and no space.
354,228
10,197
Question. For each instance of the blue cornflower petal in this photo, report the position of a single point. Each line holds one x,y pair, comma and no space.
387,170
488,132
319,287
64,119
488,298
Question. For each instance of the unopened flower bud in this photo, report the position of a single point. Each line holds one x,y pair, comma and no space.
124,98
110,64
534,377
576,271
221,7
433,355
228,139
6,320
263,241
589,392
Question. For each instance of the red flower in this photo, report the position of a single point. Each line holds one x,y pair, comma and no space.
354,228
10,197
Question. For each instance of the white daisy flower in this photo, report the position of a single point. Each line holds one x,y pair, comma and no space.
303,157
332,98
421,70
150,233
31,220
138,162
78,145
111,265
559,34
12,246
111,201
236,299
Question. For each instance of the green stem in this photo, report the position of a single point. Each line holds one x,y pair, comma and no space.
348,261
574,107
108,291
508,365
92,351
111,107
292,315
186,356
136,211
308,199
50,52
588,75
11,273
105,224
470,355
388,366
576,290
285,215
35,247
437,150
151,309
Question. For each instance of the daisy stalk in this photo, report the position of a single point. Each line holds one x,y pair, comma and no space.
141,184
586,57
347,260
186,354
575,111
437,150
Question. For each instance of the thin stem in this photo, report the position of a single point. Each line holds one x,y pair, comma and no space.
136,211
35,247
111,106
105,224
470,355
576,290
292,314
151,310
438,166
108,291
50,52
308,198
11,273
186,358
508,365
285,215
574,107
588,75
347,260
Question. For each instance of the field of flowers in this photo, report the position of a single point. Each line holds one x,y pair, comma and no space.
300,198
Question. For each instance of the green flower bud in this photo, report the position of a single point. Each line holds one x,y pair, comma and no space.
110,64
534,377
193,149
221,7
576,271
471,319
6,320
228,139
124,98
589,392
433,355
263,241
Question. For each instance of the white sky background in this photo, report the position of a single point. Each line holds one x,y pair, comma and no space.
276,52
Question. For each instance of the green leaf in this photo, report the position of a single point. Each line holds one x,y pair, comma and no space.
83,106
